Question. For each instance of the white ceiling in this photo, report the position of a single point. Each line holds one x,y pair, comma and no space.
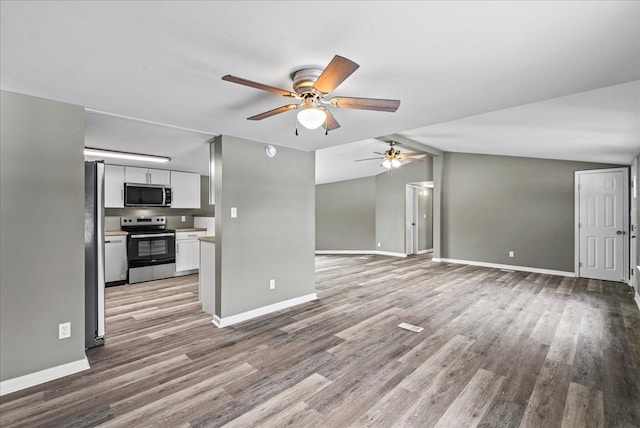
529,78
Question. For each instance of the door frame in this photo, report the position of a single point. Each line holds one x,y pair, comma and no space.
625,222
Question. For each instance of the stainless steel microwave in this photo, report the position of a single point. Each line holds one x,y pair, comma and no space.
146,195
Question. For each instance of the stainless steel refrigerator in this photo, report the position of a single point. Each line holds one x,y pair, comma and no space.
94,253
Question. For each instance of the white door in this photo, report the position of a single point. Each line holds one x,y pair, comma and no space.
633,228
602,224
411,228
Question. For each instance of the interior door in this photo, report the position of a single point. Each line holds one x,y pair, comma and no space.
411,241
633,227
602,224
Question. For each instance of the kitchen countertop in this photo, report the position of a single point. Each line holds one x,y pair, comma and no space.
115,233
211,239
192,229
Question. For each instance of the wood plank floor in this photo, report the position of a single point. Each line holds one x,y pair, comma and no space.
507,349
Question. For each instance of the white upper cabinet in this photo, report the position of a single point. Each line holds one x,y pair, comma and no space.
147,176
113,186
185,189
159,176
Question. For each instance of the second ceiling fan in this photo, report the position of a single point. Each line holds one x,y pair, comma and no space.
311,86
392,157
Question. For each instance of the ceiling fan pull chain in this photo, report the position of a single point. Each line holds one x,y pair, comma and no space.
296,130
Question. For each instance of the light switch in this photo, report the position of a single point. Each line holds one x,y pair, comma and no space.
234,212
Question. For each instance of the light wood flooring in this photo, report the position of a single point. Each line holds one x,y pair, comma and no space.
498,349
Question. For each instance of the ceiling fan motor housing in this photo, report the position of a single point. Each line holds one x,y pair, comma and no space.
303,81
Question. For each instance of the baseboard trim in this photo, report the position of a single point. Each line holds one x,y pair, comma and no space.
32,379
637,299
368,252
512,267
254,313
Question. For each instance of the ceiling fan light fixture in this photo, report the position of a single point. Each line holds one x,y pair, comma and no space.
386,163
395,163
311,117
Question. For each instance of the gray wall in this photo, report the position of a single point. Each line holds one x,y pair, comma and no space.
273,235
391,203
494,204
357,214
42,229
345,215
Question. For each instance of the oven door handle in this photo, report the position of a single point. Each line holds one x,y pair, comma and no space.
152,235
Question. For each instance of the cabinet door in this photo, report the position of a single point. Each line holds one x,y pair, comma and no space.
187,255
113,186
134,174
115,258
159,176
185,188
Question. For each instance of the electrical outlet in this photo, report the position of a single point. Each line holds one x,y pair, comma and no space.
272,284
183,218
510,253
378,245
64,330
234,212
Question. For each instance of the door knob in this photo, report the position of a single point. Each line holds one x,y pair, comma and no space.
620,232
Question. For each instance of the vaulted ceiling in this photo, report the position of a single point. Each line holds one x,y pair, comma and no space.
537,78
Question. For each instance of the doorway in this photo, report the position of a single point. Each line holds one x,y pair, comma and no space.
602,224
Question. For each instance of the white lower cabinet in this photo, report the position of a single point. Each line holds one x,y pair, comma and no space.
115,259
188,251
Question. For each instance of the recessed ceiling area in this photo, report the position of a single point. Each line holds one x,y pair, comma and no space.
538,78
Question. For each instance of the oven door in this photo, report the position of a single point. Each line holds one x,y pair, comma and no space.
151,249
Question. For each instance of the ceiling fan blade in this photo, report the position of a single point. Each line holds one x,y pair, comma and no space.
273,112
245,82
412,159
334,74
412,153
367,159
366,103
332,123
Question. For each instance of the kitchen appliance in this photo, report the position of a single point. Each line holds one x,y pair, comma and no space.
147,195
151,248
94,253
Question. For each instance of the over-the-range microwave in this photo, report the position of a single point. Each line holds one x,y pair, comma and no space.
146,195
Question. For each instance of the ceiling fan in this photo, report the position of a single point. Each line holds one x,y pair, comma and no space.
391,157
311,86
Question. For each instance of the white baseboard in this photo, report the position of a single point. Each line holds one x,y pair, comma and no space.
430,250
254,313
368,252
637,299
32,379
511,267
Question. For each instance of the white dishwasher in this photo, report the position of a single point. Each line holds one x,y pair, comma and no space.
115,259
188,251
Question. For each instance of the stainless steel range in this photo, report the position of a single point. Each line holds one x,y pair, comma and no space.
151,248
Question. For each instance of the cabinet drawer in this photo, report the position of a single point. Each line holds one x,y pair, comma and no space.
190,235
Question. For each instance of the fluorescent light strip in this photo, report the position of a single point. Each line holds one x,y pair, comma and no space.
88,151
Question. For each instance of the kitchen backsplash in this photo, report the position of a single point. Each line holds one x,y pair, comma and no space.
173,221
